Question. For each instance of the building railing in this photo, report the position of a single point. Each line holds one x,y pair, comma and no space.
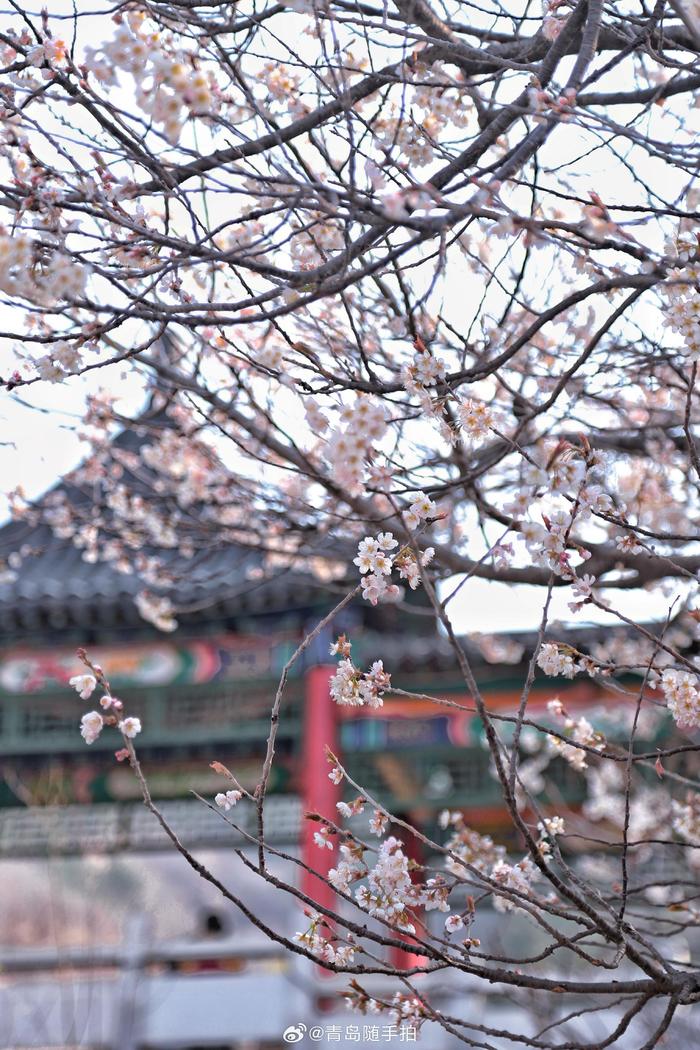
173,715
116,827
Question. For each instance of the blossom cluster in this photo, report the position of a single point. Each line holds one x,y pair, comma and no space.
351,443
156,609
315,240
686,818
376,563
556,660
92,722
467,848
43,277
552,826
378,822
373,554
350,867
561,660
547,544
421,509
438,96
169,85
64,359
470,849
425,370
389,891
351,809
515,877
579,731
682,312
50,52
550,543
271,357
415,140
17,266
549,828
352,687
280,81
227,799
476,419
321,838
680,689
323,947
406,1011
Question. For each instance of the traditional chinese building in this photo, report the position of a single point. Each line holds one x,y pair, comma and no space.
204,692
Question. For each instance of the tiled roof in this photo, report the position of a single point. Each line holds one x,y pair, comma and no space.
56,590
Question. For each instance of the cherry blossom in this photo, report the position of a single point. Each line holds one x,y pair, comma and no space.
389,892
577,730
686,818
352,687
321,838
349,869
378,822
91,725
324,947
130,727
350,445
157,609
351,809
554,661
84,685
475,418
93,722
453,923
517,877
227,799
680,689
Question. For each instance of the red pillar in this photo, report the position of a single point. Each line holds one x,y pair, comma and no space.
319,793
